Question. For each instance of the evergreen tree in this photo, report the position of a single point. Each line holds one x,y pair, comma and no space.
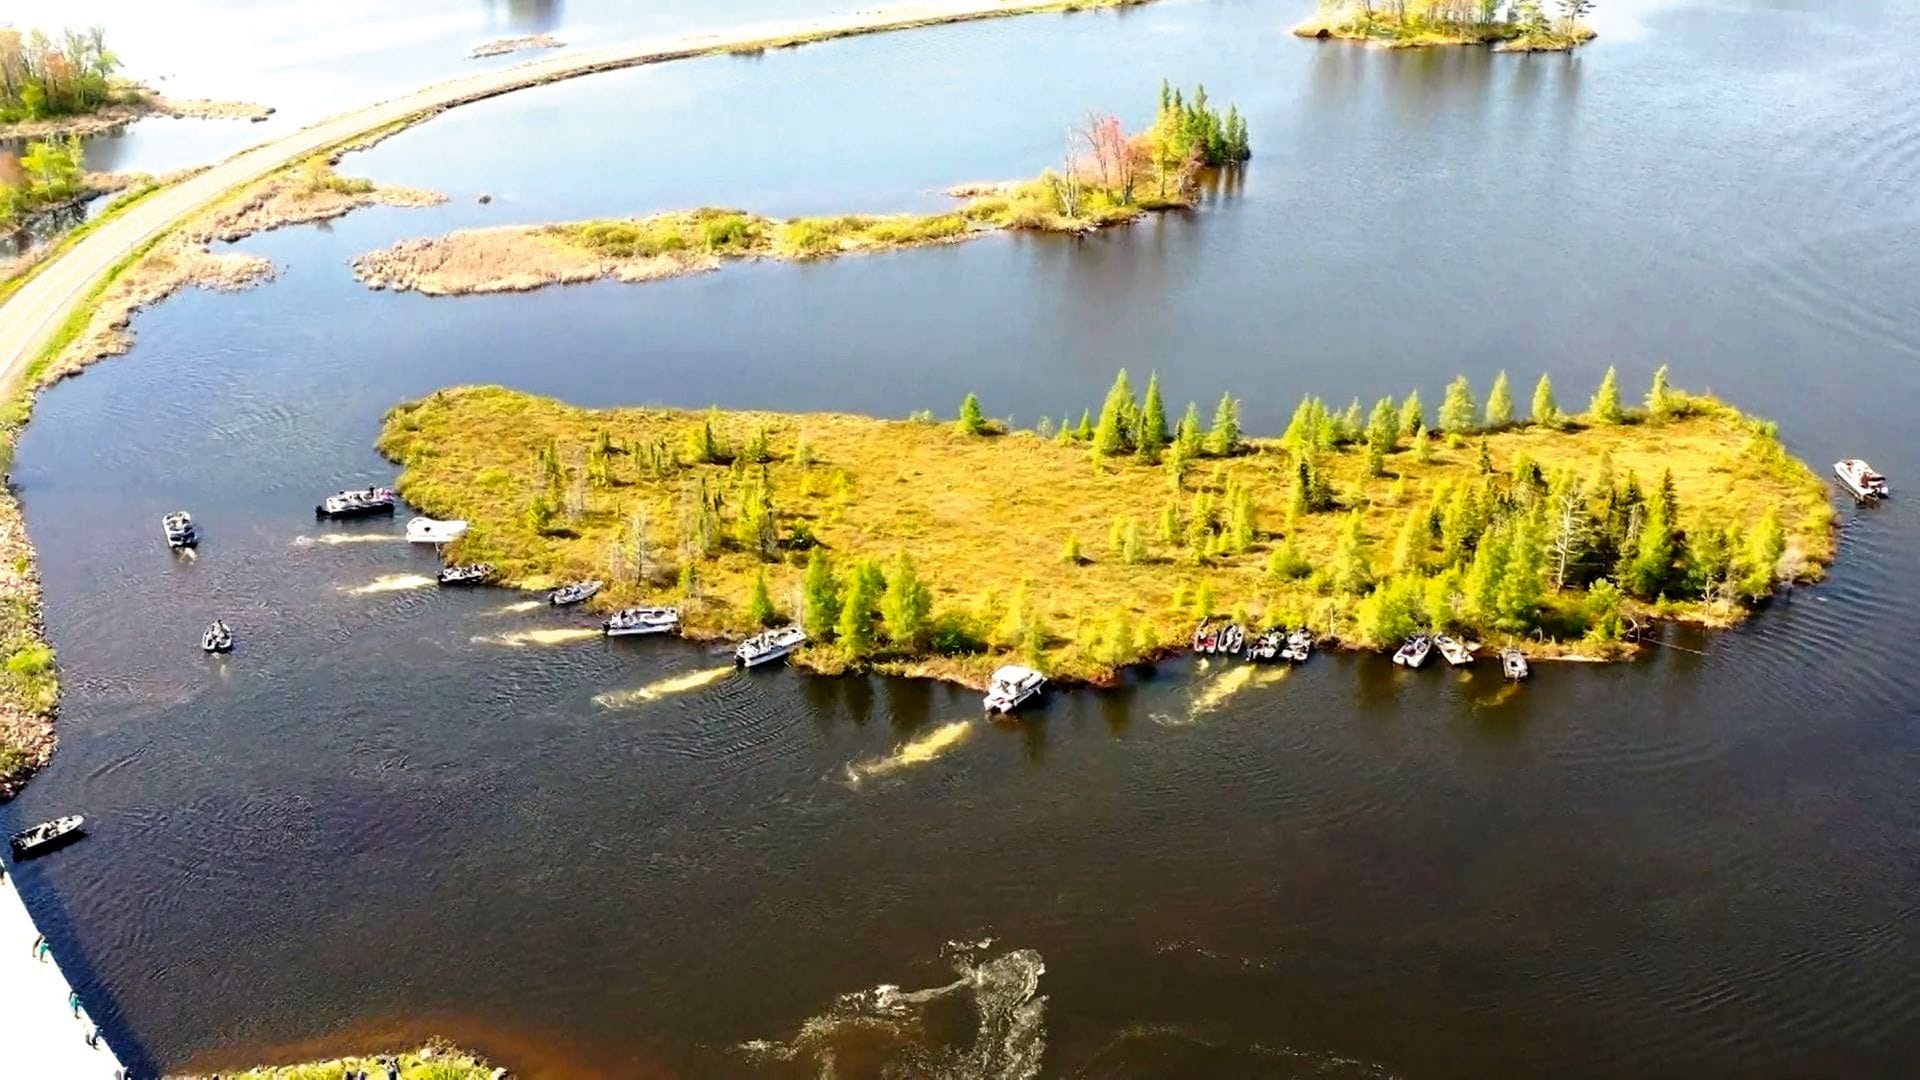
820,591
1486,574
1300,430
1520,585
906,606
1413,415
1152,436
856,612
1287,564
1605,407
1071,552
971,421
1443,600
1133,547
1169,524
1410,547
1113,434
1351,571
1085,431
1422,447
1661,399
1765,547
1349,429
1457,409
1603,611
1376,460
1546,411
1383,426
1224,439
1394,611
1188,439
1651,570
760,607
1242,523
1500,403
1064,437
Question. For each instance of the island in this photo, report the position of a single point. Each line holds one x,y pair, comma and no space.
435,1061
1109,177
69,87
943,548
1505,25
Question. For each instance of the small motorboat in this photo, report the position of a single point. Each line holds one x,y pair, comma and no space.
1206,639
178,529
1299,646
1232,639
573,594
1011,687
218,637
465,574
1513,663
642,620
768,646
1453,651
1859,478
48,835
359,502
426,530
1265,647
1414,652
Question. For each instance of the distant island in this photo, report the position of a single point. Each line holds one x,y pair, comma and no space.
1109,177
941,548
69,87
1505,25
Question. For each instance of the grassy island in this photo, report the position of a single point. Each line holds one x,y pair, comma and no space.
942,548
436,1061
69,87
1505,25
1110,177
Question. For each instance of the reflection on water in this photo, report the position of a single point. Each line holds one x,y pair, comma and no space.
1691,864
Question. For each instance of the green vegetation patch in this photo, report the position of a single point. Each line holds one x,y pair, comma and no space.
1083,546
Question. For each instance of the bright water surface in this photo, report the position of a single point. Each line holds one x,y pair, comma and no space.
392,813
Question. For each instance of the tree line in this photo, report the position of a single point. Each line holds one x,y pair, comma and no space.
47,174
40,77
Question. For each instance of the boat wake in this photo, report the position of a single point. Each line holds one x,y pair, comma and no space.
331,539
665,688
884,1031
913,752
518,608
520,639
391,583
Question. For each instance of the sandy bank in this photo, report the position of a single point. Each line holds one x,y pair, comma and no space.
140,103
502,46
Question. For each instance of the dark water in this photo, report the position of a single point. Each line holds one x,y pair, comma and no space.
376,821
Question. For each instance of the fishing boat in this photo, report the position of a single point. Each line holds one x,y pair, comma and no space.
1232,639
1455,652
768,646
359,502
466,574
48,835
1205,638
426,530
1011,687
1414,652
1265,647
1859,478
1513,663
1299,646
218,637
573,594
642,620
178,529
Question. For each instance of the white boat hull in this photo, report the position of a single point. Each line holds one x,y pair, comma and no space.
767,657
639,631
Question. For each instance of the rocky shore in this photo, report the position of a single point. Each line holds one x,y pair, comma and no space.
140,102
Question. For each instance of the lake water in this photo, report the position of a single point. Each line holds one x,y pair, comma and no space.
395,812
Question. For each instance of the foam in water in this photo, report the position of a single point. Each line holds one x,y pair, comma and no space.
912,752
882,1031
392,583
332,539
515,609
678,684
1220,689
553,636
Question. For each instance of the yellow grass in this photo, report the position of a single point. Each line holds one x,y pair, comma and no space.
433,1062
986,516
1420,29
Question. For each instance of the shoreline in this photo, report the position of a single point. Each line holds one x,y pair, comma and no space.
867,493
145,103
437,1060
1381,29
503,46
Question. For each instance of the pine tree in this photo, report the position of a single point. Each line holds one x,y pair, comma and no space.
1351,571
1376,460
1499,403
1065,436
1383,426
971,421
1111,435
1224,439
1765,547
1410,547
856,613
1660,399
820,591
1485,574
1546,411
1651,570
1605,407
1152,436
1133,547
1287,564
760,607
1242,521
1520,586
1169,524
1071,552
1457,410
906,606
1422,447
1349,428
1187,438
1413,415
